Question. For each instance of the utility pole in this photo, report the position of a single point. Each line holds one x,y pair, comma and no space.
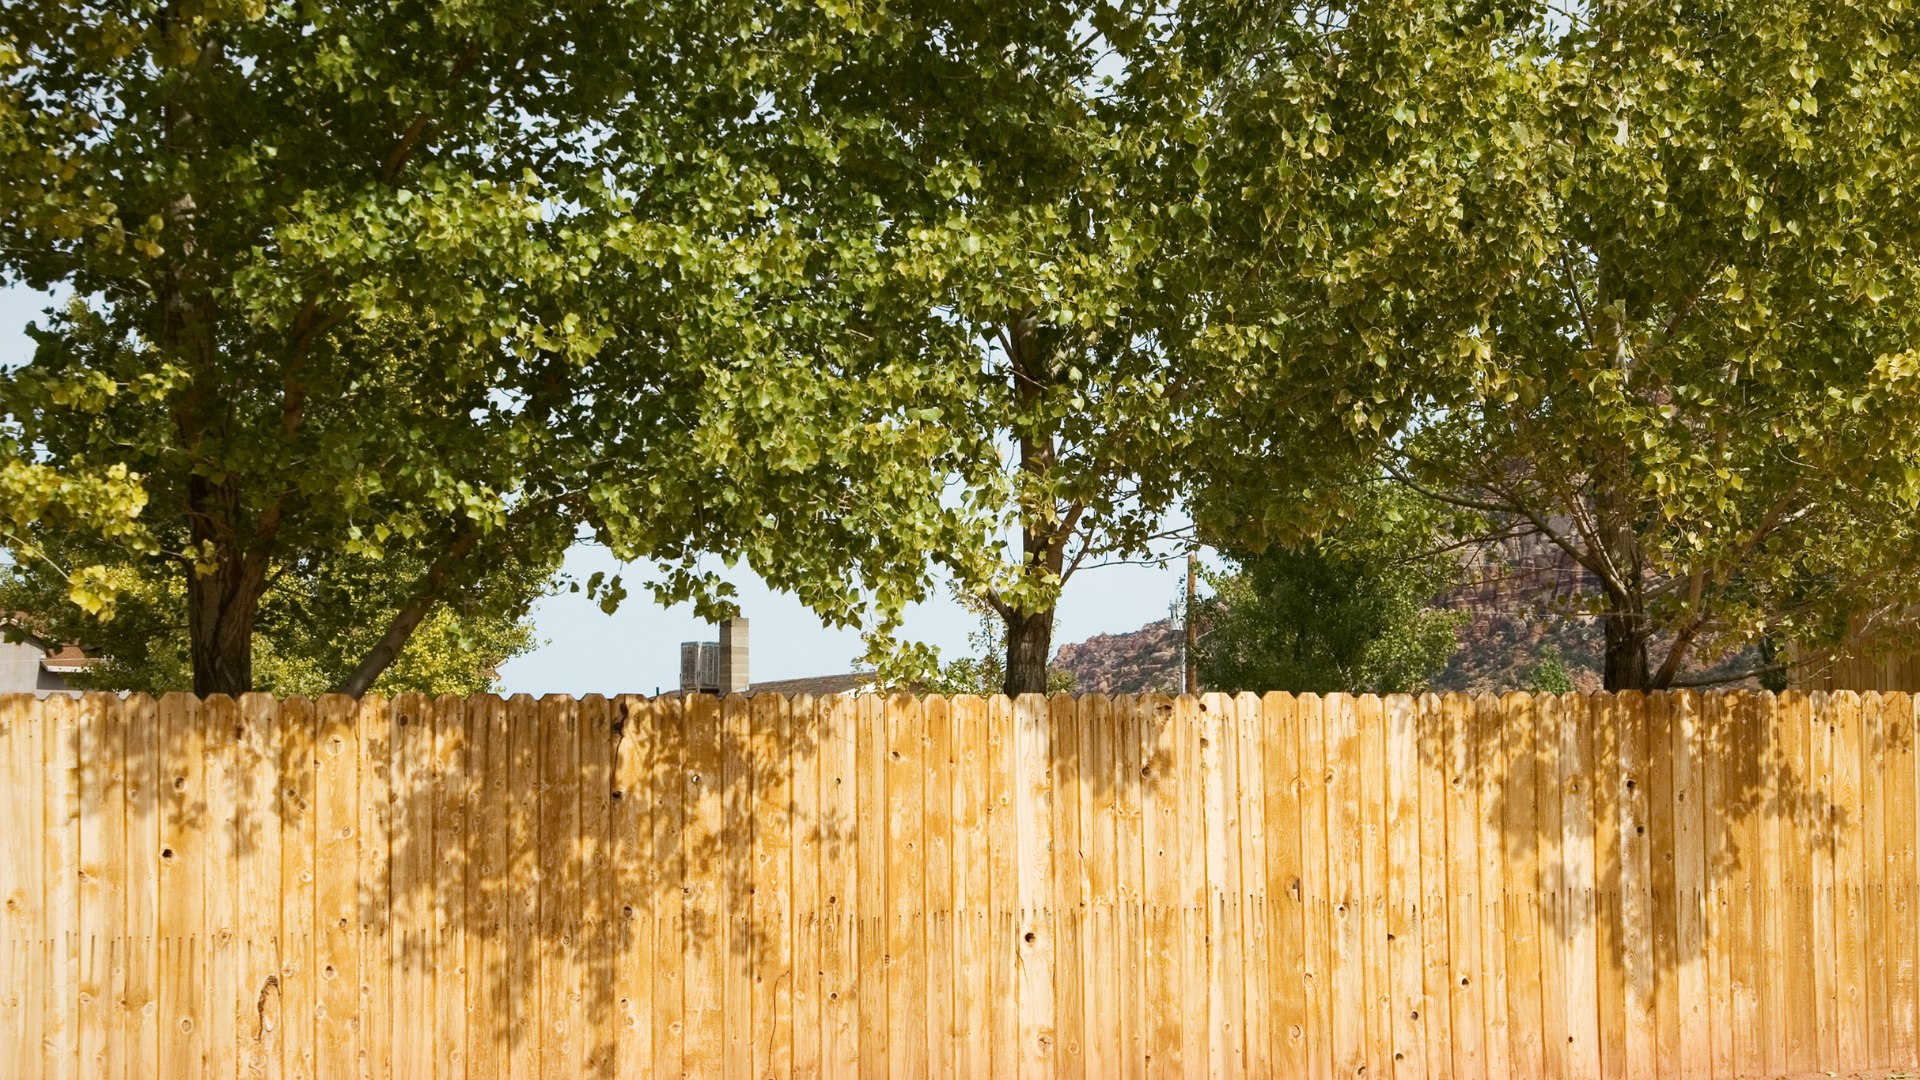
1193,628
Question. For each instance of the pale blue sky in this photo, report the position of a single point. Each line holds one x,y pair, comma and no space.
637,648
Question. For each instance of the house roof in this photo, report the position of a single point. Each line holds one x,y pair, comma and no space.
851,682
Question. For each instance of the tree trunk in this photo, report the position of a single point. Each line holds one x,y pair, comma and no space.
222,607
405,621
1029,646
1627,667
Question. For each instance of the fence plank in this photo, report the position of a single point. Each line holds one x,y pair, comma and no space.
1550,859
1903,933
448,789
1285,895
336,917
1102,973
1406,966
1873,867
1130,885
1162,838
667,763
1519,805
771,887
839,883
559,851
808,838
1464,982
1224,1057
1662,911
902,929
101,748
972,894
260,1006
1436,976
1067,866
139,1000
1670,885
411,939
1375,894
636,876
937,715
738,945
594,941
703,1022
489,1029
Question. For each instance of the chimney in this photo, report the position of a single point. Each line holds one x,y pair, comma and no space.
733,656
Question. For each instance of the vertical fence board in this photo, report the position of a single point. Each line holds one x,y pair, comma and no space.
1902,915
839,882
1639,885
1101,973
1406,996
1661,911
771,888
1068,769
902,929
636,880
1435,941
1162,839
139,999
489,1029
705,945
1489,732
972,896
1375,894
1130,779
739,945
450,776
808,840
937,716
1285,896
1849,884
376,897
336,960
410,941
260,1006
1464,982
1519,804
1689,893
101,745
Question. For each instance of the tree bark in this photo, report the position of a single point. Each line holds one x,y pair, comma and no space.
1042,539
1029,646
1627,666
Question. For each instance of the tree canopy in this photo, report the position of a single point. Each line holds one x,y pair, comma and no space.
441,285
1640,278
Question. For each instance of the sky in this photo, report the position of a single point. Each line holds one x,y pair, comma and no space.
637,649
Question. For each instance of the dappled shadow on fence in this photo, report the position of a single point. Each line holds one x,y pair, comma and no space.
1567,885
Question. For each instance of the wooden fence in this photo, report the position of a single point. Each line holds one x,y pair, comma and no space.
1580,886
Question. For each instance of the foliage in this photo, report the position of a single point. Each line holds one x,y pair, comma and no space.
1035,174
310,637
1550,674
1640,278
984,672
1350,611
442,285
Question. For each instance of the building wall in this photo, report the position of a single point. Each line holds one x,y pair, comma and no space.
20,671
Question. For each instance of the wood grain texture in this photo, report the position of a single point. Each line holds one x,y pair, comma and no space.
1677,886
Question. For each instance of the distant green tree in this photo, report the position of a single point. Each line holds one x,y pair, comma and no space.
1550,674
1352,610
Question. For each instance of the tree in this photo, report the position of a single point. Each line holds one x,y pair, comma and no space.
444,286
985,672
310,638
1637,278
1352,610
1034,177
